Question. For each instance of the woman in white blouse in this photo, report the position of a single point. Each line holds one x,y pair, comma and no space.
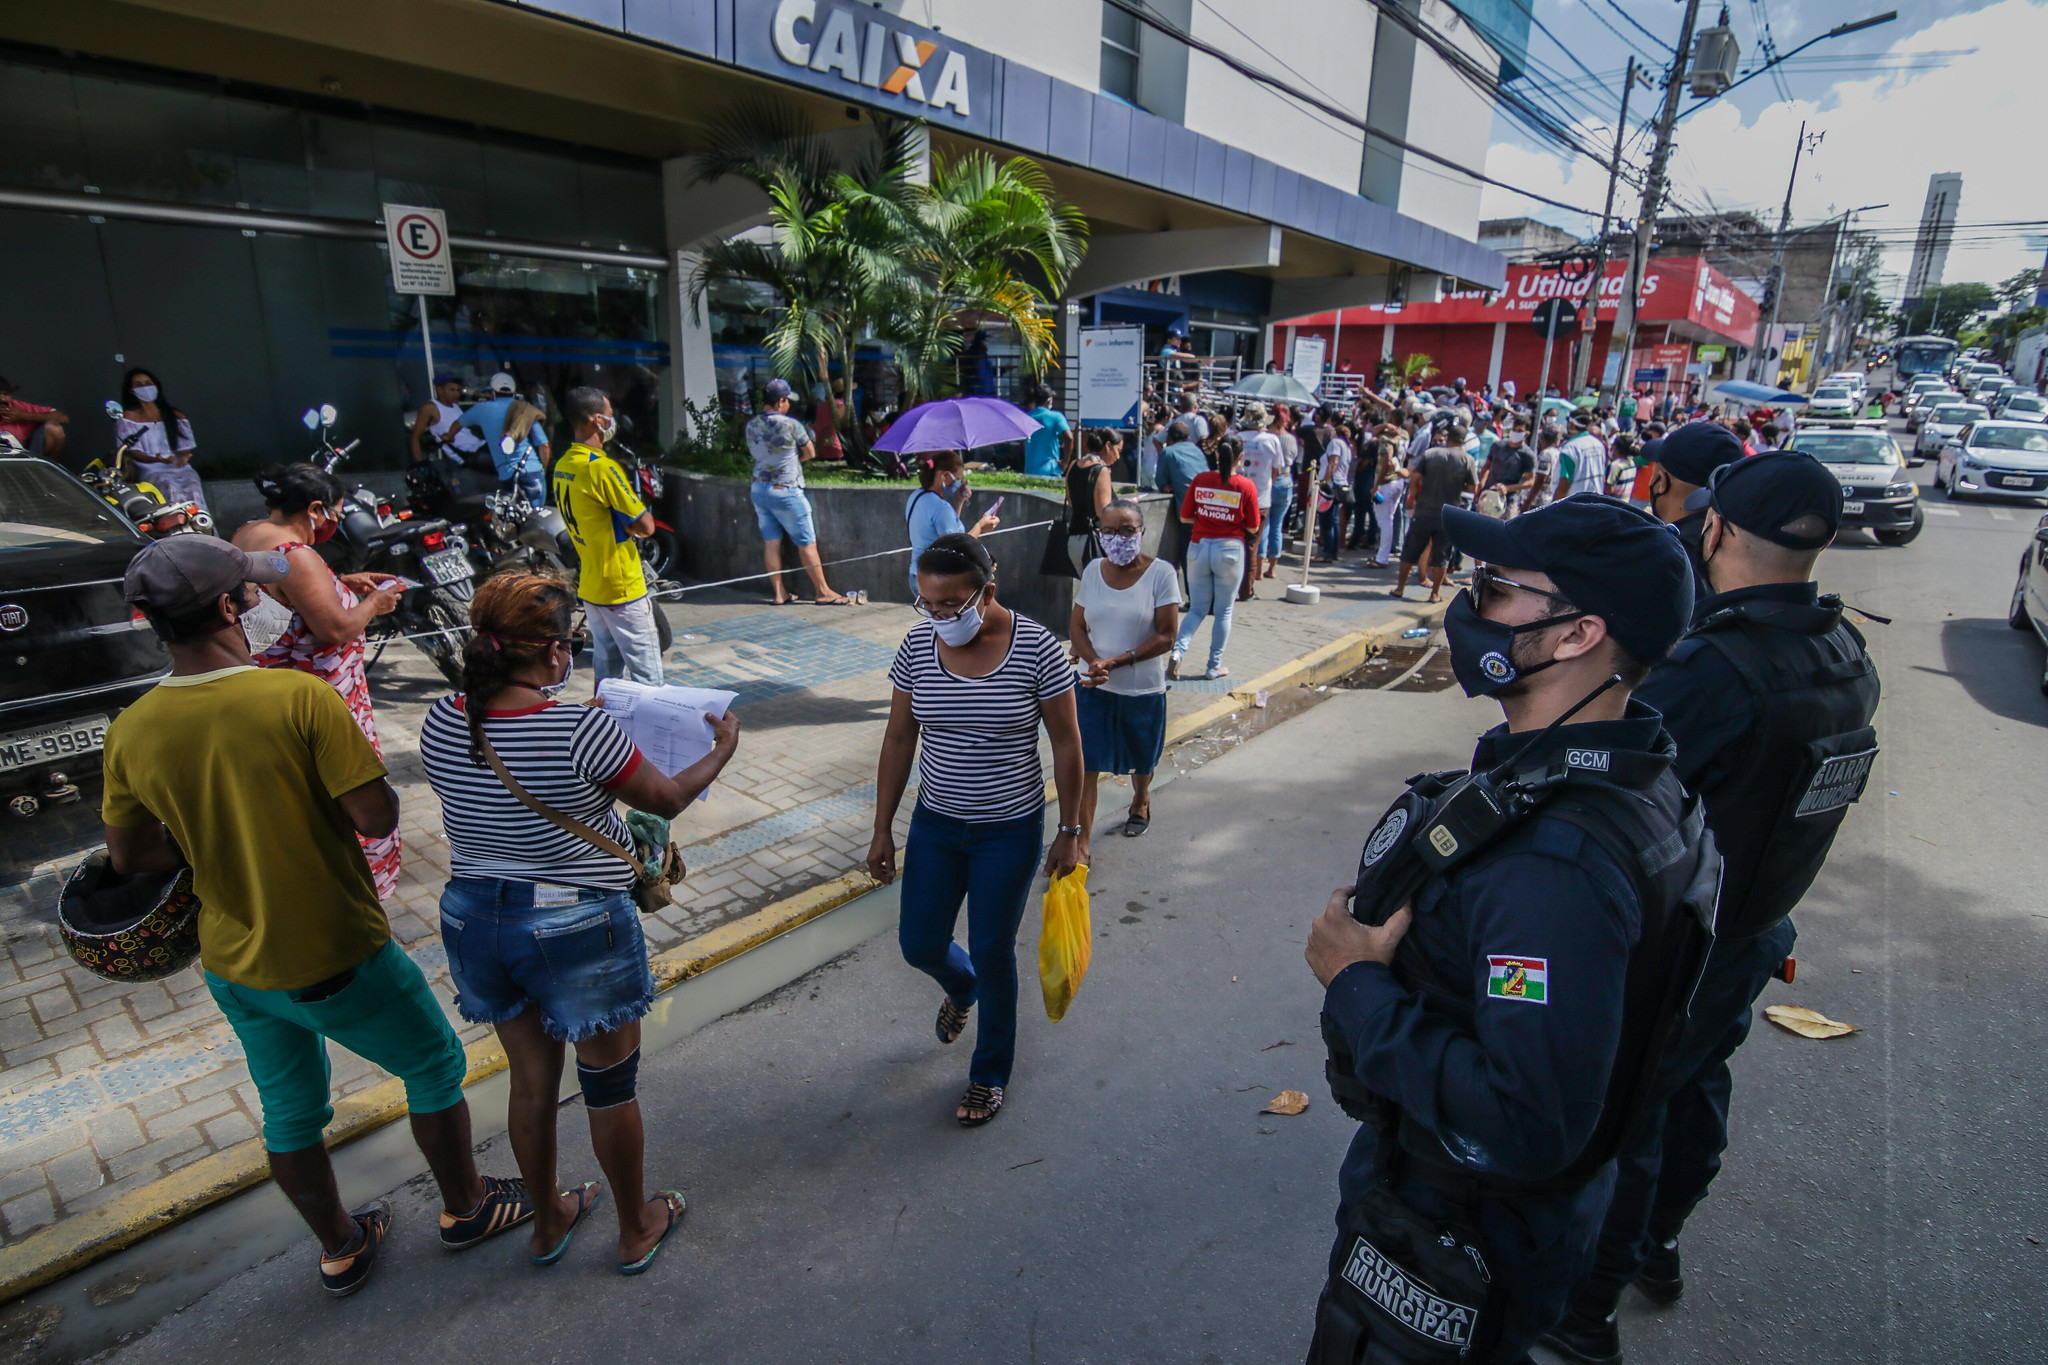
161,436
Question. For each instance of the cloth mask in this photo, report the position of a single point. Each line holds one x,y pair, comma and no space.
145,393
1482,651
1121,551
606,429
960,630
555,690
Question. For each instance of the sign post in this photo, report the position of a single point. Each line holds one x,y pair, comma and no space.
1112,366
1552,318
420,264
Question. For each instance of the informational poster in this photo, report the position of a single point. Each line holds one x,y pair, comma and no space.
1671,356
418,238
1112,365
1307,366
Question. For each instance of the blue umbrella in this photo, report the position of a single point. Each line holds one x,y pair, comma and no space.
1756,393
956,424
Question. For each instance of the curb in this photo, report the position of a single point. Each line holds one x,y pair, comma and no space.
44,1257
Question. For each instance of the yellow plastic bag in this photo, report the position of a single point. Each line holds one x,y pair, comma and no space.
1065,942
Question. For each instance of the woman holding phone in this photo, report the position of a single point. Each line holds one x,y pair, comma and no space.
934,509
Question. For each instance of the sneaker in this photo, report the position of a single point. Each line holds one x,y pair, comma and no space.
506,1205
1662,1279
344,1272
1588,1341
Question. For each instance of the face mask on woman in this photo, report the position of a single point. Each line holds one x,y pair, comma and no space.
553,690
960,630
325,524
145,393
1121,550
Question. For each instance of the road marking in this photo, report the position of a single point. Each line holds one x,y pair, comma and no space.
1998,515
1941,511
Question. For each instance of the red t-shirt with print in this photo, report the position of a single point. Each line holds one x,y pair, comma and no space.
1221,510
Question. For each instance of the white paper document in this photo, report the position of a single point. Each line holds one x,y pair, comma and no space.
672,725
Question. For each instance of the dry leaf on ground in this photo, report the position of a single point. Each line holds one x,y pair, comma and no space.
1807,1023
1287,1102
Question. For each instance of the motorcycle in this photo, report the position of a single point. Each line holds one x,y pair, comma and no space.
661,553
141,503
425,553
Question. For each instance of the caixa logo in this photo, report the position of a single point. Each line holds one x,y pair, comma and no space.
864,50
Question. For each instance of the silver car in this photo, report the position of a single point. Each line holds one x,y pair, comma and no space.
1995,457
2018,405
1940,426
1921,404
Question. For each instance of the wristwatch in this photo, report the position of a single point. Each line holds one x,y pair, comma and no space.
1074,830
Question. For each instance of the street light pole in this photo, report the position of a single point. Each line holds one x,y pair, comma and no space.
1598,271
1775,282
1653,196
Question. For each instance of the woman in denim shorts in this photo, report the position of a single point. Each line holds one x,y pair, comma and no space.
542,933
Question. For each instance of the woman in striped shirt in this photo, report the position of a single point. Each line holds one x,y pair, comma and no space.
974,681
543,937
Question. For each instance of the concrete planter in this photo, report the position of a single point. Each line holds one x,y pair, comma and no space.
714,519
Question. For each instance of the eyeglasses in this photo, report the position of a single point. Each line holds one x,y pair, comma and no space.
1485,577
925,609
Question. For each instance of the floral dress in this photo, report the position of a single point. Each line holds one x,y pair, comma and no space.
342,667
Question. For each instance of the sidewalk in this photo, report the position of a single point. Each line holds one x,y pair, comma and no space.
106,1088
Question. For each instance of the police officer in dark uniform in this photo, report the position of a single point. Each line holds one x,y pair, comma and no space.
1769,698
1503,978
1681,462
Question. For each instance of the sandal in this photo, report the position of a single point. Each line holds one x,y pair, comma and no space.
952,1020
588,1196
987,1098
677,1206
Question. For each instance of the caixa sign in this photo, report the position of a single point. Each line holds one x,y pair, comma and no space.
869,55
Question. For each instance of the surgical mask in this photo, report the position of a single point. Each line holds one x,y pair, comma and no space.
1121,550
145,393
554,690
1482,651
606,429
960,630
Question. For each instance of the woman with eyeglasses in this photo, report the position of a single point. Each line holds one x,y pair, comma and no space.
974,682
1126,617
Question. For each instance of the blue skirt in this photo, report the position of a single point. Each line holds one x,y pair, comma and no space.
1121,734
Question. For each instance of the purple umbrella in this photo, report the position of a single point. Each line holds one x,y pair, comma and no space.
956,424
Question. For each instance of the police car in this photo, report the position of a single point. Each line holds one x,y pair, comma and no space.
1877,492
1995,457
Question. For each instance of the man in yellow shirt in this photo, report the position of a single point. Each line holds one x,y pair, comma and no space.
605,516
260,779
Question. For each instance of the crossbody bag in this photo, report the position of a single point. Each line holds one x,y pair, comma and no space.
654,881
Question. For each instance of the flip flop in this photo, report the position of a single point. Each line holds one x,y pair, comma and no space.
588,1196
677,1206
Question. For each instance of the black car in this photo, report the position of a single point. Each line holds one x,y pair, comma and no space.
73,653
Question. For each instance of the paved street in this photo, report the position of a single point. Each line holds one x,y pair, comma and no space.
108,1088
1883,1200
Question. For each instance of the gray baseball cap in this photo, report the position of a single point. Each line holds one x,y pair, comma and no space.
186,573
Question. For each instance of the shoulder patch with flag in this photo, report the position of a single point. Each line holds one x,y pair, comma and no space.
1519,978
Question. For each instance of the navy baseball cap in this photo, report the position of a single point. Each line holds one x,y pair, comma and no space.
1694,450
1611,559
446,378
776,390
1766,493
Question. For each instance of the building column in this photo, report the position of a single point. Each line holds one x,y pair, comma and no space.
695,216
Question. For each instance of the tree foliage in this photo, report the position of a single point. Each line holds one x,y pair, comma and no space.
1947,308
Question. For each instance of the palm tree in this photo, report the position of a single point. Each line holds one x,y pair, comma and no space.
1416,366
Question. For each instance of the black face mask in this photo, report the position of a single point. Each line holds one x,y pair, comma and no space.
1482,651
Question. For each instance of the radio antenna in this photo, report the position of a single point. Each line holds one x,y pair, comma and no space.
1501,768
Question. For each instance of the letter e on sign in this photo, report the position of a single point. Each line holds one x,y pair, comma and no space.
418,241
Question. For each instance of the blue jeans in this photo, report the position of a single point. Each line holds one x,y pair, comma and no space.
529,481
580,960
1274,534
988,864
1332,527
1215,568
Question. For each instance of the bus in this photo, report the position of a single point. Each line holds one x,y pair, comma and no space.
1920,355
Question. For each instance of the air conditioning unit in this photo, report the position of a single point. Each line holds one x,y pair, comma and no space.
1714,55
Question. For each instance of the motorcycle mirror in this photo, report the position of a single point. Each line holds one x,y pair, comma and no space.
113,408
310,418
409,419
327,414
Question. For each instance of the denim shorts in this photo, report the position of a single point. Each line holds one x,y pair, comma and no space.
582,963
783,511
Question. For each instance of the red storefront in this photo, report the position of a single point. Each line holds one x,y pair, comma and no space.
1486,337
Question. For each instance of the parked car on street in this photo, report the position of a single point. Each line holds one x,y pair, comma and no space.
1941,425
1877,492
2029,609
73,653
1988,457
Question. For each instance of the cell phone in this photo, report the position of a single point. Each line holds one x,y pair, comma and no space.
993,506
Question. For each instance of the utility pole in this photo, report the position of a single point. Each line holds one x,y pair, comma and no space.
1775,284
1653,194
1599,268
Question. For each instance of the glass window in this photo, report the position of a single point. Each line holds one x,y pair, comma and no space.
1841,447
1959,413
1119,53
40,509
2033,440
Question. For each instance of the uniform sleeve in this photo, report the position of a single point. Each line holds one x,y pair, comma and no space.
1054,674
1705,707
608,481
342,757
601,751
903,673
1519,1092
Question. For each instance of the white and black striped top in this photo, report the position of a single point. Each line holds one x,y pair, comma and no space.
567,757
977,755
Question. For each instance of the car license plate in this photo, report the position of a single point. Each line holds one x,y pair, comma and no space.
448,566
1851,509
2014,481
53,743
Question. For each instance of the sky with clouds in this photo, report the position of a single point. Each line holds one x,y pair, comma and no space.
1950,85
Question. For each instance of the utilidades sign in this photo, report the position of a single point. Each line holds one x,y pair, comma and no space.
866,54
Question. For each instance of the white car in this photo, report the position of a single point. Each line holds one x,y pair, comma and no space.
1853,378
1877,492
1996,457
1833,400
1942,425
2022,406
1921,405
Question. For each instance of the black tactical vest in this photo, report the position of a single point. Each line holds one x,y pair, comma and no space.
1775,815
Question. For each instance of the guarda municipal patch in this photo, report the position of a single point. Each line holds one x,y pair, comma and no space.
1519,978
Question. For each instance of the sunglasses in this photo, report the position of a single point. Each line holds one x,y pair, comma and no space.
1486,579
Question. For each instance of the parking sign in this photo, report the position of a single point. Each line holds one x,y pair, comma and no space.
418,238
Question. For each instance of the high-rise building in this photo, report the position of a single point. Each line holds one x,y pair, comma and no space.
1937,225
